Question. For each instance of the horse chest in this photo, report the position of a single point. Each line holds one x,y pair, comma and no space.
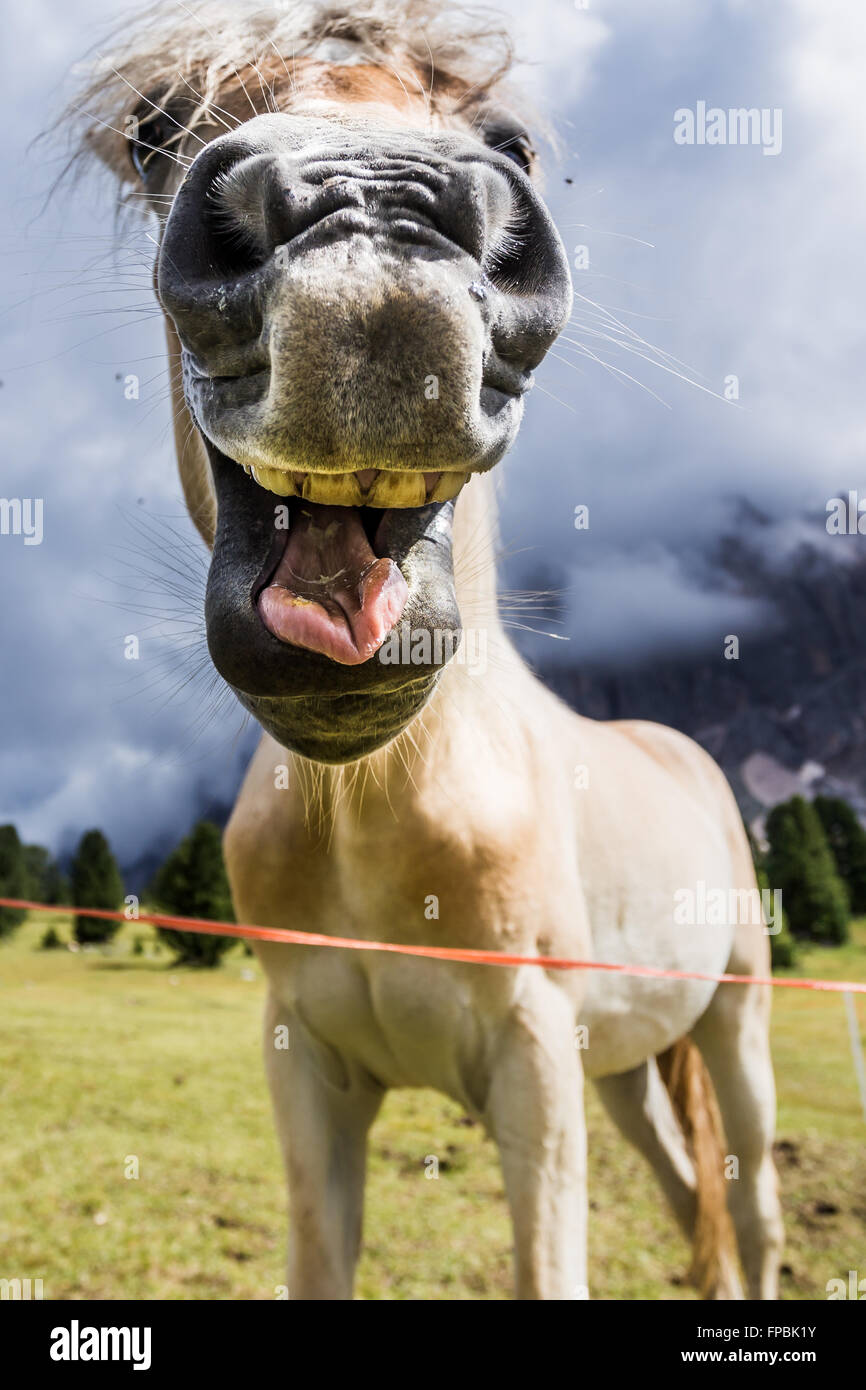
390,1016
407,1020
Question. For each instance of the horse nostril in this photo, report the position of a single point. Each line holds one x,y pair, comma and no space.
232,248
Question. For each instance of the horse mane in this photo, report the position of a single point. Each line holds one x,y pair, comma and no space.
229,55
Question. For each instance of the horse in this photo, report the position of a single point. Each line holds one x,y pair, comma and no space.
359,278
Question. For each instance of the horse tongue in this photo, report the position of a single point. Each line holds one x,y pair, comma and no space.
330,593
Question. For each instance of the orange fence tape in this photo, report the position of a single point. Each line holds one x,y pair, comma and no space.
467,956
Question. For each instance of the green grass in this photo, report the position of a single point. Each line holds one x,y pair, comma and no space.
104,1057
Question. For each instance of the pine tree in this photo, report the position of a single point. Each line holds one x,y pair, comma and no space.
46,883
783,947
847,840
799,862
192,883
96,882
13,878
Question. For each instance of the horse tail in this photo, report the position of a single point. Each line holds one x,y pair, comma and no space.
714,1263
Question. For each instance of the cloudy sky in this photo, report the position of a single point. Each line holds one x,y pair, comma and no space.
715,261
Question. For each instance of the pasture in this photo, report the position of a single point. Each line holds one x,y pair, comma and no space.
107,1057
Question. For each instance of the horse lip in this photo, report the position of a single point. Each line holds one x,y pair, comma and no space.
506,377
226,391
246,358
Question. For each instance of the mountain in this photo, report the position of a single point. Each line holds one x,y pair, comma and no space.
789,715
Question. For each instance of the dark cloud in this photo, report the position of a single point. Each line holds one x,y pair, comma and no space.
727,260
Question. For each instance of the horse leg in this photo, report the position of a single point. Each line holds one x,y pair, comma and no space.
323,1114
535,1113
733,1037
640,1106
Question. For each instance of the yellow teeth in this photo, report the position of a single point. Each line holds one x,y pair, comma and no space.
338,489
274,480
398,490
371,487
448,486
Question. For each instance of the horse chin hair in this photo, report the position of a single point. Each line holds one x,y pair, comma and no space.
343,730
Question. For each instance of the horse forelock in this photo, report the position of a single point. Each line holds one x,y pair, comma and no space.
224,60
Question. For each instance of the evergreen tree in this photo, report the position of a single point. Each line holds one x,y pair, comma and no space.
96,882
799,862
13,878
46,883
783,947
192,883
847,840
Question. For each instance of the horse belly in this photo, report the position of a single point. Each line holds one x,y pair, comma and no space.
628,1017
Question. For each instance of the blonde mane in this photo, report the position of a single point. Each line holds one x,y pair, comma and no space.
224,60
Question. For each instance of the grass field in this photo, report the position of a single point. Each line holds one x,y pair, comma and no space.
109,1057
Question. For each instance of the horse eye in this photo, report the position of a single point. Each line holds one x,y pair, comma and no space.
137,153
517,148
146,144
520,152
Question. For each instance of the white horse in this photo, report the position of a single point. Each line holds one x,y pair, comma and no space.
359,276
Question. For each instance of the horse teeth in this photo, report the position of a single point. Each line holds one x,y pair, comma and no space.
398,489
371,487
274,480
333,489
366,478
448,486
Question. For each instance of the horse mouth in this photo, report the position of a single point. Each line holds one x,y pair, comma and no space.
331,586
308,598
335,589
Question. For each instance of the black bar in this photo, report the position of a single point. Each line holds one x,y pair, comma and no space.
234,1341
